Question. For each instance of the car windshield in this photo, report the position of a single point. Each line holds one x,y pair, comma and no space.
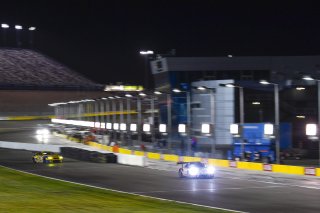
47,153
198,164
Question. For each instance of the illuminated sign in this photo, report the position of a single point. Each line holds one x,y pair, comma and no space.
123,88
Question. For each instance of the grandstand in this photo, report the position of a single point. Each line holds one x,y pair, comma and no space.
29,81
22,68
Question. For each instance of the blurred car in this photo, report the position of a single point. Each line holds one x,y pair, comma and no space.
293,154
196,170
47,157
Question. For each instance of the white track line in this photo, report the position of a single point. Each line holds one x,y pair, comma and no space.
130,193
212,189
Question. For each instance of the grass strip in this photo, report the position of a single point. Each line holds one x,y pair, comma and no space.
21,192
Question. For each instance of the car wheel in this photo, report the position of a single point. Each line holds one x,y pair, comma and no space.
181,174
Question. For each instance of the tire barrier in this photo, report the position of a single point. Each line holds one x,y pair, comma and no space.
87,155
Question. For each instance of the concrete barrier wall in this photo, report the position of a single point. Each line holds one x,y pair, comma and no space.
153,155
174,158
30,146
294,170
132,160
285,169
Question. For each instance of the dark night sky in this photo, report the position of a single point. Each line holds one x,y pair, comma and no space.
102,39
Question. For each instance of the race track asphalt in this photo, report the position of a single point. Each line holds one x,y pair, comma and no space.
230,189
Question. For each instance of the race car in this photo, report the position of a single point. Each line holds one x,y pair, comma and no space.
196,170
47,157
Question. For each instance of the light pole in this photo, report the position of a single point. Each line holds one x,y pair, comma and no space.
213,115
241,103
309,78
169,120
146,54
188,103
18,29
4,34
276,109
31,29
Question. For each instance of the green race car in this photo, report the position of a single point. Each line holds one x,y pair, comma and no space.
47,157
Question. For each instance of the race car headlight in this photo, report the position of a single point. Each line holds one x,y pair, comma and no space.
42,132
45,132
50,158
194,171
60,157
211,170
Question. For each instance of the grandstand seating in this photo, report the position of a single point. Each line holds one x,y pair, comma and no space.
28,68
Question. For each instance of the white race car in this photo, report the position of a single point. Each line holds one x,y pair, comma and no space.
196,170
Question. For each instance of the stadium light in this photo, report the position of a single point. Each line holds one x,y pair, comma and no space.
4,26
146,127
176,90
162,128
18,27
32,28
142,94
133,127
205,128
268,129
123,127
116,126
147,52
234,129
157,92
311,129
182,128
109,126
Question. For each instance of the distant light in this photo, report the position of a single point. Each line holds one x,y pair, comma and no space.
116,126
117,96
128,95
230,85
32,28
234,129
264,82
205,128
142,94
147,52
109,126
123,127
162,128
157,92
18,27
301,116
201,88
268,129
182,128
256,103
4,26
311,129
307,78
126,88
133,127
146,127
230,56
300,88
97,124
104,98
176,90
111,97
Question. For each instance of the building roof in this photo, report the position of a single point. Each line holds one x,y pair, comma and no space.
22,68
285,64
